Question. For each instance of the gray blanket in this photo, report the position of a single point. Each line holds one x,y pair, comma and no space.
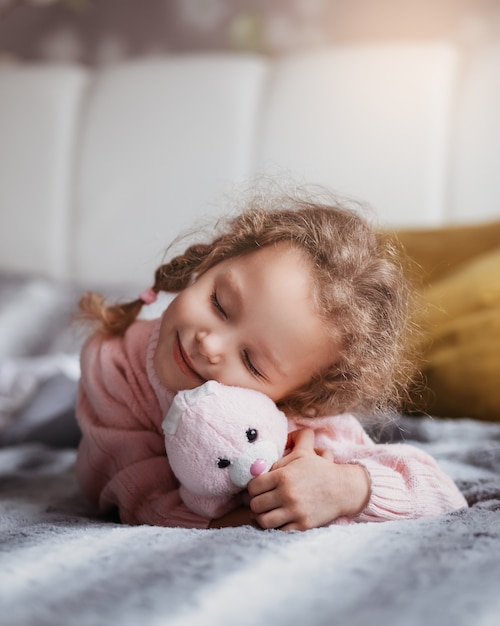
62,565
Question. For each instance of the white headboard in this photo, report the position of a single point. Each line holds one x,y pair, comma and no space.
100,169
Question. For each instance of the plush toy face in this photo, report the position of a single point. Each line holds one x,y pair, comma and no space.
218,438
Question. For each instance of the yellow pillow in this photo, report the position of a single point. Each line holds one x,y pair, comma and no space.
439,251
473,287
461,345
462,368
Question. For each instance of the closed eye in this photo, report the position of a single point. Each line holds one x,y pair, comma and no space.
217,305
251,367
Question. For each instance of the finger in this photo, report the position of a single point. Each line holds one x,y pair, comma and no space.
261,484
264,503
303,438
276,518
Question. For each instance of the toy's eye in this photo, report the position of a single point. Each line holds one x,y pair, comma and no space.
252,435
222,463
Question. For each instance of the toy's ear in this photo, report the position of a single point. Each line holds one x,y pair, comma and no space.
173,418
208,388
182,401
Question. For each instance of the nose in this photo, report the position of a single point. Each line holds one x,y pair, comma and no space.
258,467
209,346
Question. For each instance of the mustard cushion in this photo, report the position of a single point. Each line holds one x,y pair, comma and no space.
461,342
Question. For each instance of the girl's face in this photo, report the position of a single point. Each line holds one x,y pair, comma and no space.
250,322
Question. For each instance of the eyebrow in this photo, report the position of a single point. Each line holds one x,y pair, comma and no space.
234,286
268,356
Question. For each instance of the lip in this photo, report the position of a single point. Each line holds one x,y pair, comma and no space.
184,362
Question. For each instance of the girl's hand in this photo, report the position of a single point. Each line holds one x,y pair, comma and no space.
306,489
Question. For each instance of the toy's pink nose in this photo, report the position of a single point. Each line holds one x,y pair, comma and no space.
258,467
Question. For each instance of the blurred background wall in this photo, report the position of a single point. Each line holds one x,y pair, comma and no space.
99,32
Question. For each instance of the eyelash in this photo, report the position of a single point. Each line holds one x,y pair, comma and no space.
250,366
217,304
246,359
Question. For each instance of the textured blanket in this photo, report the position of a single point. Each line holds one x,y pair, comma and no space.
61,565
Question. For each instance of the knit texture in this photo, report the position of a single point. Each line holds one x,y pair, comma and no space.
122,462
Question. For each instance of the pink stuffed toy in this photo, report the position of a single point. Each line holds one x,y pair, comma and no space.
217,439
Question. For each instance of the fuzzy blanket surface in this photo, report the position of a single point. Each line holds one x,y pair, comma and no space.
61,565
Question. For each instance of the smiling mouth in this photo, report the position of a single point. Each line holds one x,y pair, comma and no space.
184,362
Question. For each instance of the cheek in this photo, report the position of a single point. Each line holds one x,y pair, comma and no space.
190,307
180,310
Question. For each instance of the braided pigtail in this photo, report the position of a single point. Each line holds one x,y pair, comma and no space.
172,277
111,319
178,273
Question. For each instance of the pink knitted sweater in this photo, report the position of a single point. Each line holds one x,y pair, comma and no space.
122,463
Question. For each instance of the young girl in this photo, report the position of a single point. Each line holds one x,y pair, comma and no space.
305,303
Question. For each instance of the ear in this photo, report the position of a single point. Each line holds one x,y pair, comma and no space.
209,388
183,400
173,418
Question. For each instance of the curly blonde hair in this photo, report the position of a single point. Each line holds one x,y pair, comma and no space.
360,292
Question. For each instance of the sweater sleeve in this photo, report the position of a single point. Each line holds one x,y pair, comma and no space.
143,489
406,482
121,461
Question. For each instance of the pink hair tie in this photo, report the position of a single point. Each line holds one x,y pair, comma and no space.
149,296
